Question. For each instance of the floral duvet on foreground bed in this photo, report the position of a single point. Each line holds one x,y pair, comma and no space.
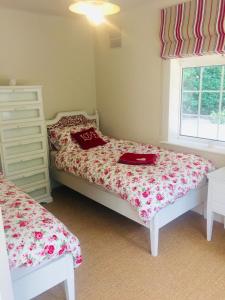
33,235
147,188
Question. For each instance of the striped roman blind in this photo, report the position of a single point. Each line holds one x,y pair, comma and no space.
196,27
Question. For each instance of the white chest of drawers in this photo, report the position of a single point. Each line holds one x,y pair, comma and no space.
216,198
23,140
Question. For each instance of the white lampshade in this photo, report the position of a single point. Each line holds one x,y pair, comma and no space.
94,10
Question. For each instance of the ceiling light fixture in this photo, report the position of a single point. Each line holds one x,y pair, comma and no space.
94,10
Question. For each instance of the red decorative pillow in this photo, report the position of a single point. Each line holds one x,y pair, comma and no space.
87,139
60,137
138,159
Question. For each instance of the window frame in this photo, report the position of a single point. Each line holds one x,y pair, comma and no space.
172,91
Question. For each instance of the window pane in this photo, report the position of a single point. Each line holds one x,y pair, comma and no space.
207,128
222,120
189,117
189,125
211,79
190,103
224,78
201,116
223,102
210,103
191,79
208,121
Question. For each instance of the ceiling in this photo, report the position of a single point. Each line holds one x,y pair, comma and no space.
54,7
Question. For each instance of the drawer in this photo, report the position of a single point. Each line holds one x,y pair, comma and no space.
20,114
216,191
216,196
38,192
26,147
22,131
30,178
21,165
19,96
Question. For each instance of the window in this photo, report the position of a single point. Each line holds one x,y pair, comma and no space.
203,102
195,88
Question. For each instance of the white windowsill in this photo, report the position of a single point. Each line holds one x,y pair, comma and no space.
196,146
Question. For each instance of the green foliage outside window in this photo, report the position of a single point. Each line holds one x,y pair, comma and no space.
191,79
210,103
211,79
218,118
209,83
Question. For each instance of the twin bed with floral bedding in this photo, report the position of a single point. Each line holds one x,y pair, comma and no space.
35,240
157,192
147,188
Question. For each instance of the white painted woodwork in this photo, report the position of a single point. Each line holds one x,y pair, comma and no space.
23,140
22,131
27,180
29,282
216,198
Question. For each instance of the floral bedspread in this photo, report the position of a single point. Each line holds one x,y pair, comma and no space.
33,235
147,188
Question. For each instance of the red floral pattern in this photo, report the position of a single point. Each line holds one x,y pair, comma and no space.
60,137
147,188
67,122
70,121
33,235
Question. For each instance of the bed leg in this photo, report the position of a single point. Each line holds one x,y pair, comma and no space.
154,236
69,288
69,284
210,219
204,209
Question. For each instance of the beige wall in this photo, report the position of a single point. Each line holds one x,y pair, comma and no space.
129,80
58,53
51,51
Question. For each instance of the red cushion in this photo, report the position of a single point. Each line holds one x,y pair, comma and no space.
87,139
138,159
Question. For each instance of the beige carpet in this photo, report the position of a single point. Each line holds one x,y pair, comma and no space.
117,264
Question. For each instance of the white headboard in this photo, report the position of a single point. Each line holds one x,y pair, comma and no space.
72,118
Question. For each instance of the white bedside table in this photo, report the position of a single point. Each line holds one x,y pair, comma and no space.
216,198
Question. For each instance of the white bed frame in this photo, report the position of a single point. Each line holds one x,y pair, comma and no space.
192,200
28,282
6,291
